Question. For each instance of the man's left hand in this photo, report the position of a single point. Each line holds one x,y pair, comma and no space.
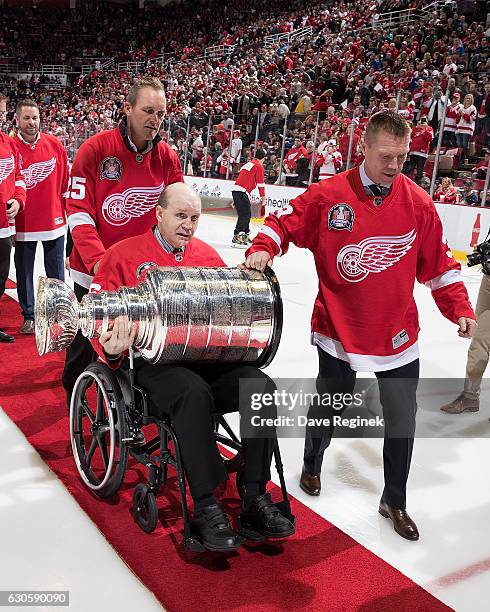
467,327
13,208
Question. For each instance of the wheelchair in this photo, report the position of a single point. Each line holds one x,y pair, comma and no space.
107,412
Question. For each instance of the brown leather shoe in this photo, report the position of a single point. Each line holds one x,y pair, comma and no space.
402,523
27,327
460,404
310,483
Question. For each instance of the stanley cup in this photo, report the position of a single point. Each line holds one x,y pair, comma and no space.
180,314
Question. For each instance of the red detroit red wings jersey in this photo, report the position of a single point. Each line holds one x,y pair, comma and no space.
112,196
126,264
45,171
367,259
251,175
12,184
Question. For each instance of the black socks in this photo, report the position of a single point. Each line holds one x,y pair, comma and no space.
203,501
253,490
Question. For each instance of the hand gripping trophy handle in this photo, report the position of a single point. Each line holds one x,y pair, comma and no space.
180,314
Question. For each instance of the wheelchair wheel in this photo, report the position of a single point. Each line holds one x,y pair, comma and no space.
98,430
145,511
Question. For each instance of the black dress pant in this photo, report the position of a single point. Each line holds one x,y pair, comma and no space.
5,248
243,208
190,395
79,354
398,388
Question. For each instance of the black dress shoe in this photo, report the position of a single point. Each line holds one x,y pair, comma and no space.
5,337
213,529
310,483
264,517
402,522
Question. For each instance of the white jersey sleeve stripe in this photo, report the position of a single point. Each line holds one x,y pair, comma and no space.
80,219
20,184
268,231
443,280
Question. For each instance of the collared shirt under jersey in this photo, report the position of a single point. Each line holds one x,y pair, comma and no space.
365,180
165,244
29,144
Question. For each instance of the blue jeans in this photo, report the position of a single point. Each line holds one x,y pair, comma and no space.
54,265
463,141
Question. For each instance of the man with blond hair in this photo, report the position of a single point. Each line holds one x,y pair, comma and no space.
373,232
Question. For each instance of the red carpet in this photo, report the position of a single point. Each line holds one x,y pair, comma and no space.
320,569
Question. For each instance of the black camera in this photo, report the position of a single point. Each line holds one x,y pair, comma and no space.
481,255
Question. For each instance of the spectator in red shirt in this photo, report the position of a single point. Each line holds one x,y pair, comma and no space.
446,192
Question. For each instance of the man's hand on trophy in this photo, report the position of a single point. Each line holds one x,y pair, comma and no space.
120,338
256,261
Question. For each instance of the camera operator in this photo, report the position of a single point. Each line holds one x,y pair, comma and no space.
478,353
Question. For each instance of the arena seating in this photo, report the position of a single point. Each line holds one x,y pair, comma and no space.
261,64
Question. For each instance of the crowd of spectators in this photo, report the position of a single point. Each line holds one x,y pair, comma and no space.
303,99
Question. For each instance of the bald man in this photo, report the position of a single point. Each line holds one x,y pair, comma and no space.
190,394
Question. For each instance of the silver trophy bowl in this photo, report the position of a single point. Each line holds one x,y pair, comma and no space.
180,314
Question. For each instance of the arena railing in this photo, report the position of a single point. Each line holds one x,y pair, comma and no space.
78,62
131,66
301,33
402,16
287,37
218,51
255,129
393,18
10,68
278,135
55,69
98,64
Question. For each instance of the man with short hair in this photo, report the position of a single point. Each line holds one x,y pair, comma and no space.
116,180
45,170
189,393
373,232
12,200
250,177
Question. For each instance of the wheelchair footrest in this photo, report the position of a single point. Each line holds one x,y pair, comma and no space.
193,544
246,530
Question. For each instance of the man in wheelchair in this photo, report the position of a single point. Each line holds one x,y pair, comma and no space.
191,394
